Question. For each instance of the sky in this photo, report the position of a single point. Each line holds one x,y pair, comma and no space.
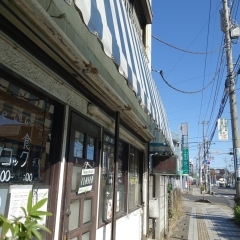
194,26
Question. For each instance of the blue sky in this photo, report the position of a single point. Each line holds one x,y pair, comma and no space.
193,25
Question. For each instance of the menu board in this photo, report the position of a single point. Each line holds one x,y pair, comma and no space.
18,199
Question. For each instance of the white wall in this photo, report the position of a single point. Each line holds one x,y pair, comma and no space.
161,194
127,227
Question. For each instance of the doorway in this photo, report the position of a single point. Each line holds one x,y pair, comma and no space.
81,179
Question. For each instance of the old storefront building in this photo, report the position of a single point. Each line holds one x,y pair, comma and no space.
78,109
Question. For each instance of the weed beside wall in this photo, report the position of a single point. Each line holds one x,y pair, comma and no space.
175,205
236,210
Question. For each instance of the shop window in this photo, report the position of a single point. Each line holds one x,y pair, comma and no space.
25,134
135,178
106,193
78,144
127,188
122,173
90,148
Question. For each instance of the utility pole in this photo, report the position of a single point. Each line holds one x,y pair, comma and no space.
200,166
204,157
226,28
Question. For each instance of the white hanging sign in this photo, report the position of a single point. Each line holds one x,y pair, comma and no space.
86,179
222,129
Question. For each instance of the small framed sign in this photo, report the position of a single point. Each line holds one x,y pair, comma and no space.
86,180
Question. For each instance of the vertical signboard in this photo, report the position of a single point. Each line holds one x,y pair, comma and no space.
222,129
237,157
185,152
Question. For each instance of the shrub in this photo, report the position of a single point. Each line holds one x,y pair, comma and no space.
25,227
237,201
237,214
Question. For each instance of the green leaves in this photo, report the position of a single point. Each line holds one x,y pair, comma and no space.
6,225
29,203
39,204
27,226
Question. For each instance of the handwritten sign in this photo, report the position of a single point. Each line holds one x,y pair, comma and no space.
86,180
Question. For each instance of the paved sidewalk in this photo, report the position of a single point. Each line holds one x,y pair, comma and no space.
205,221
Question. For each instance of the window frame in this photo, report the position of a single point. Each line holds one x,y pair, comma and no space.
126,179
140,172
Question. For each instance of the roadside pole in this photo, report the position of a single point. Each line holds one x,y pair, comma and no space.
180,163
204,157
226,27
200,167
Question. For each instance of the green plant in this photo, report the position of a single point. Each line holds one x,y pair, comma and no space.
169,187
237,214
237,201
25,227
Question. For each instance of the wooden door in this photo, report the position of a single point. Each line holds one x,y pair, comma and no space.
81,179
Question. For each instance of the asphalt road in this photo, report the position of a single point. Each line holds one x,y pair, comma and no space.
222,196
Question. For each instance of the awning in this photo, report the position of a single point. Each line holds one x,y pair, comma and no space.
112,23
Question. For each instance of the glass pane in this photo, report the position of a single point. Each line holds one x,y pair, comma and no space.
121,187
25,134
87,212
76,178
90,148
78,144
74,216
86,236
134,180
107,178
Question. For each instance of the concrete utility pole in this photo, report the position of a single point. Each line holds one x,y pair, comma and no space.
226,28
200,166
204,157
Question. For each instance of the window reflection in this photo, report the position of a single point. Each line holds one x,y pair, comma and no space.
78,144
134,178
90,148
121,186
25,134
107,178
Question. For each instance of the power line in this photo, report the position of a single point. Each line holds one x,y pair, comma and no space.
190,79
222,106
217,88
184,50
205,62
161,73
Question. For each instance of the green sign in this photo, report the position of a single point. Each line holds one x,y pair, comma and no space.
185,161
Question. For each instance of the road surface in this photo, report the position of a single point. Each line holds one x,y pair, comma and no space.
222,195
